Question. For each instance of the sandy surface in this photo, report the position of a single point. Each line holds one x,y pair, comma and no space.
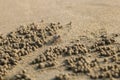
90,14
86,16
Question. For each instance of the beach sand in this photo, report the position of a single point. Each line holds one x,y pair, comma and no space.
92,23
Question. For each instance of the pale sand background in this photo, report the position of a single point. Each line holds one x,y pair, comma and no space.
86,15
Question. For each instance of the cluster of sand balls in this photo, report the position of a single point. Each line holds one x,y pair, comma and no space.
50,56
105,65
78,64
62,77
23,41
106,61
75,49
100,61
104,40
21,76
47,64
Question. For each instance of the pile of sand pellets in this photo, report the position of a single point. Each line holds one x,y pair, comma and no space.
100,60
24,41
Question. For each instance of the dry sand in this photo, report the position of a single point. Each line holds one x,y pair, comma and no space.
91,19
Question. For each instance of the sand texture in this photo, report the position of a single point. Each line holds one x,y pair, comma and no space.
59,40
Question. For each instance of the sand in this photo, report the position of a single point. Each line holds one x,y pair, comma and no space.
90,25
